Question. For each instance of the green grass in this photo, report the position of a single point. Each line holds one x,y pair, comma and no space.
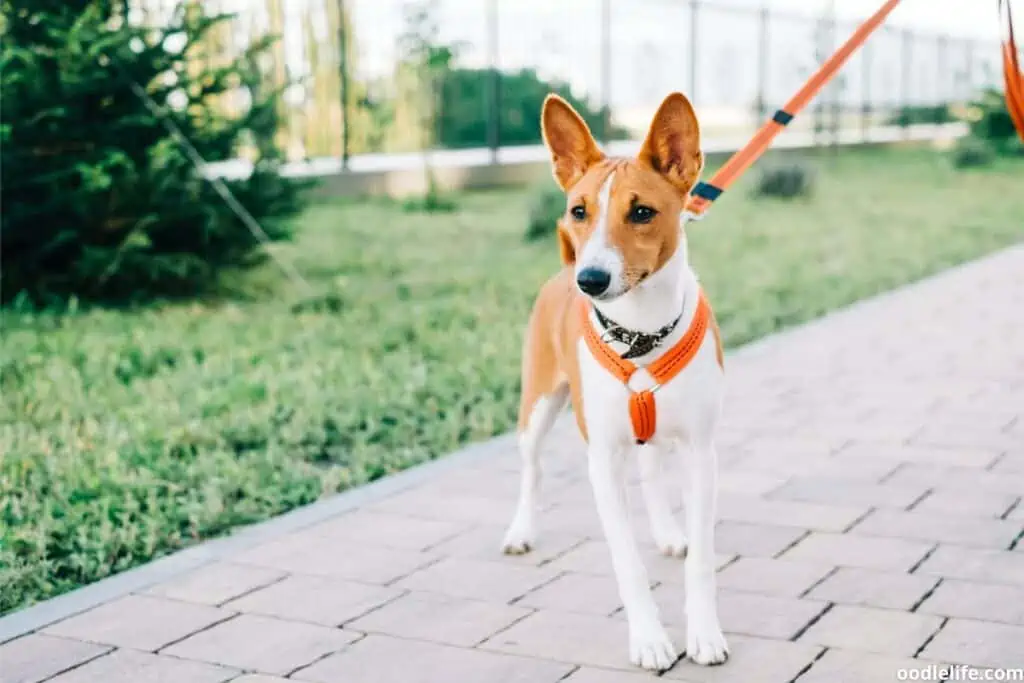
128,434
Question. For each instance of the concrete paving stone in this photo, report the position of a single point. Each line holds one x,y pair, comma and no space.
981,601
754,540
588,674
968,481
953,501
389,530
868,629
832,491
978,458
129,666
751,660
383,659
484,543
312,556
941,528
262,644
978,643
873,588
464,509
781,578
478,579
34,658
748,482
138,622
474,481
789,513
1011,463
315,599
593,557
579,519
216,583
574,638
765,616
950,435
574,592
747,614
783,449
849,550
858,468
848,666
974,564
440,619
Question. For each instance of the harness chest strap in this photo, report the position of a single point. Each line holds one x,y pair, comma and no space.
642,410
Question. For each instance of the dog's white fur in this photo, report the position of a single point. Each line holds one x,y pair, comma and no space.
688,411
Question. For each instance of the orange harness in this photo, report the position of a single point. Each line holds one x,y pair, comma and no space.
642,412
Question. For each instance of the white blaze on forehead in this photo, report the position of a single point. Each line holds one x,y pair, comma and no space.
598,253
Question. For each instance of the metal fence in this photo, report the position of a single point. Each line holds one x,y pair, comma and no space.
350,91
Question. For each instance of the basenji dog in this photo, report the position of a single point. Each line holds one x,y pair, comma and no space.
624,332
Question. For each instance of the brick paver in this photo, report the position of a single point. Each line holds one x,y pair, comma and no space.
129,666
35,657
871,520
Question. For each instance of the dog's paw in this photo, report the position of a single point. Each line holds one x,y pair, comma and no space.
650,648
668,536
519,540
706,646
671,543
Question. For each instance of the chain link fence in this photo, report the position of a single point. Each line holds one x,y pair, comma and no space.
368,77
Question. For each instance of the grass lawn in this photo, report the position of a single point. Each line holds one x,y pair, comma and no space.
128,434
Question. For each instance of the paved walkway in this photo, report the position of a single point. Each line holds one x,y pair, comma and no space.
871,521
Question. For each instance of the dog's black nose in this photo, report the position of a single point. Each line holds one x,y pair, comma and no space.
593,281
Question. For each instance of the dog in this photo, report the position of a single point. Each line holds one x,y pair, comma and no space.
599,336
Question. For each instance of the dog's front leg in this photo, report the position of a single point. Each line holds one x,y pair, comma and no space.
649,644
705,643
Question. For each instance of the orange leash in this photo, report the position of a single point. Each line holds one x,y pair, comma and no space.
706,192
1012,73
643,413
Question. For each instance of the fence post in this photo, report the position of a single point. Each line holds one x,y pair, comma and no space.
494,92
941,84
969,68
606,69
343,69
905,56
835,91
694,12
762,65
865,93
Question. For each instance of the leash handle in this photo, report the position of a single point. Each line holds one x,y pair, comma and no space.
704,193
1012,74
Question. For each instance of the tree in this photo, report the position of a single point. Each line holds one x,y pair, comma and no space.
99,199
463,121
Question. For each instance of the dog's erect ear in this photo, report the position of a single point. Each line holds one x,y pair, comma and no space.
567,137
672,147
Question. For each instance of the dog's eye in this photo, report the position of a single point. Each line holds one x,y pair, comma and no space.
578,212
641,214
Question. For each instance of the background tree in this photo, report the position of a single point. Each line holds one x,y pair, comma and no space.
463,120
99,201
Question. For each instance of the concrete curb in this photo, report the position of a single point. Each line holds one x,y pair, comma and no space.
38,616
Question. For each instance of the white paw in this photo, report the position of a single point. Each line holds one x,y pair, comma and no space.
650,648
519,539
671,542
706,646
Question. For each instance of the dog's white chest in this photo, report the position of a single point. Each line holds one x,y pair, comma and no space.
687,403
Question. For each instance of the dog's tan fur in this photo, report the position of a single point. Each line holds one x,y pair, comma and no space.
663,172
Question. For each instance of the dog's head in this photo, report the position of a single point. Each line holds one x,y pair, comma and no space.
622,220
